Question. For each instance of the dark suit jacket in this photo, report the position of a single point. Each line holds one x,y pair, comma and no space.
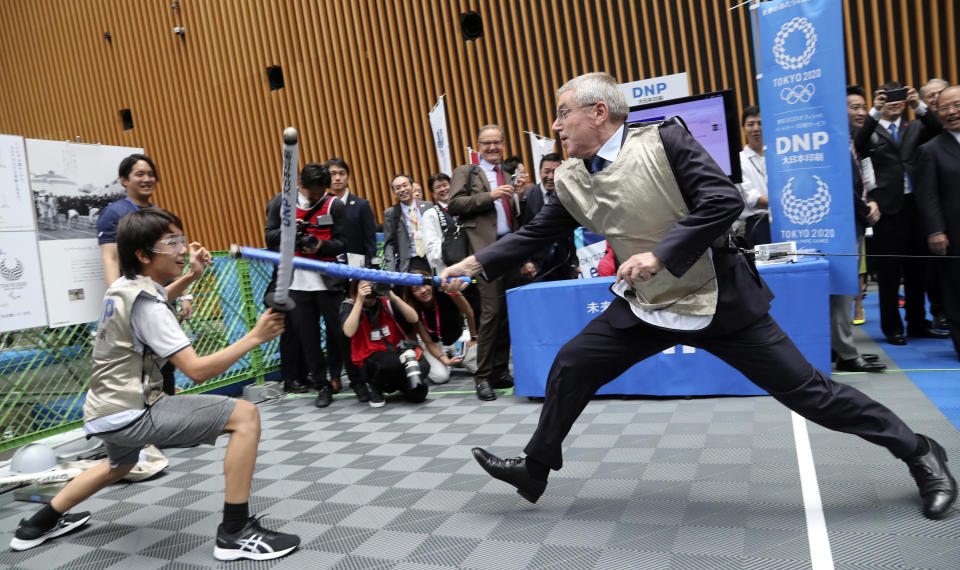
474,207
396,239
937,185
328,248
560,255
891,160
359,229
713,203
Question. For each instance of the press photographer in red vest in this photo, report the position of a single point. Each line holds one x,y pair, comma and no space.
388,360
319,236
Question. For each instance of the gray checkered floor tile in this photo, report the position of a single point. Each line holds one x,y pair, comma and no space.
705,483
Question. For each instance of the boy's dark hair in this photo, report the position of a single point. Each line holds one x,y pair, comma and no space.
751,111
856,90
127,164
315,176
139,230
550,157
339,163
434,178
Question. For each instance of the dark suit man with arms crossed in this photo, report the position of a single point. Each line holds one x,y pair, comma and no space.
890,141
360,239
666,209
558,261
938,199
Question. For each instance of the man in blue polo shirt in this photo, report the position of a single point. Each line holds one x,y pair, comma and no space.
138,176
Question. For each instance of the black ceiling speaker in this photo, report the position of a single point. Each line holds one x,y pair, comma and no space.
126,117
471,26
275,77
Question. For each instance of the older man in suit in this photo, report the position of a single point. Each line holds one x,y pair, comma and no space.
679,283
482,198
891,141
403,246
938,199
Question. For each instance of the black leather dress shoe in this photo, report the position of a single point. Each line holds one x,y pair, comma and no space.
294,387
485,392
324,397
941,323
897,339
512,471
504,381
860,364
928,333
938,488
870,357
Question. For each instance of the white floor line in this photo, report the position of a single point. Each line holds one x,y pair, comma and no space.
820,556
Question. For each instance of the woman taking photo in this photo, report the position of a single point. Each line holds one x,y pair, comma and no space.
387,360
440,327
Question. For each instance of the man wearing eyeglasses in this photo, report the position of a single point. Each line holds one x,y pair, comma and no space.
482,196
938,169
666,209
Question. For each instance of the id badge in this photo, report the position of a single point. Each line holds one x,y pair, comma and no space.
375,335
385,332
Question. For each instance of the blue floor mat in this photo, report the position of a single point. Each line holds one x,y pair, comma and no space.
930,363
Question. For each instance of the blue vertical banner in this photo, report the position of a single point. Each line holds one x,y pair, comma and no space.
802,86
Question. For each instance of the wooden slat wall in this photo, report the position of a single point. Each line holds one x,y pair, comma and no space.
361,76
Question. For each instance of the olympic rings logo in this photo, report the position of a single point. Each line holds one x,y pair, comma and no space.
798,24
806,211
798,93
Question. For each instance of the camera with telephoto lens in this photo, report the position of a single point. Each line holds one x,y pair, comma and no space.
378,289
407,350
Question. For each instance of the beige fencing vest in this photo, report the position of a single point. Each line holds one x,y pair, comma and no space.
122,378
634,202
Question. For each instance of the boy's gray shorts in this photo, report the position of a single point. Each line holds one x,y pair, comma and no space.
172,421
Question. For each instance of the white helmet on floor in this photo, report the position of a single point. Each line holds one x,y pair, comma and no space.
33,458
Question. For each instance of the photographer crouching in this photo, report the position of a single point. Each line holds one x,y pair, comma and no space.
387,359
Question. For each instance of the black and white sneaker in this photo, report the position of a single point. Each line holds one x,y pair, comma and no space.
376,398
28,536
254,542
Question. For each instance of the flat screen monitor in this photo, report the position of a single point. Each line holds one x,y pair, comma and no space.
712,120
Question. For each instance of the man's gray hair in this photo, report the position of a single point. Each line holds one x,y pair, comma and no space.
489,127
591,88
934,80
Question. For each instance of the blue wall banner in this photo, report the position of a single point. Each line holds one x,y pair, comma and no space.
802,88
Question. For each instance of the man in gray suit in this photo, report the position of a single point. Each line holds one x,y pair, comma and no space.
403,247
482,196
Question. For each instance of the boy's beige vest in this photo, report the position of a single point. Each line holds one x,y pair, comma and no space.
122,378
634,202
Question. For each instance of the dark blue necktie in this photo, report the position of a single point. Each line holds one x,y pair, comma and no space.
893,133
597,163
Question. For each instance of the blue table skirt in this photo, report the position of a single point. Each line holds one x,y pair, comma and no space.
544,316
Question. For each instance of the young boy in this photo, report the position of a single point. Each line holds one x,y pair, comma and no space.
127,409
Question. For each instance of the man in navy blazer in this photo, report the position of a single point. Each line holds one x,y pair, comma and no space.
359,228
558,260
734,325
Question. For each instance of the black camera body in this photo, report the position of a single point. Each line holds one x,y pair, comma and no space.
305,240
380,289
